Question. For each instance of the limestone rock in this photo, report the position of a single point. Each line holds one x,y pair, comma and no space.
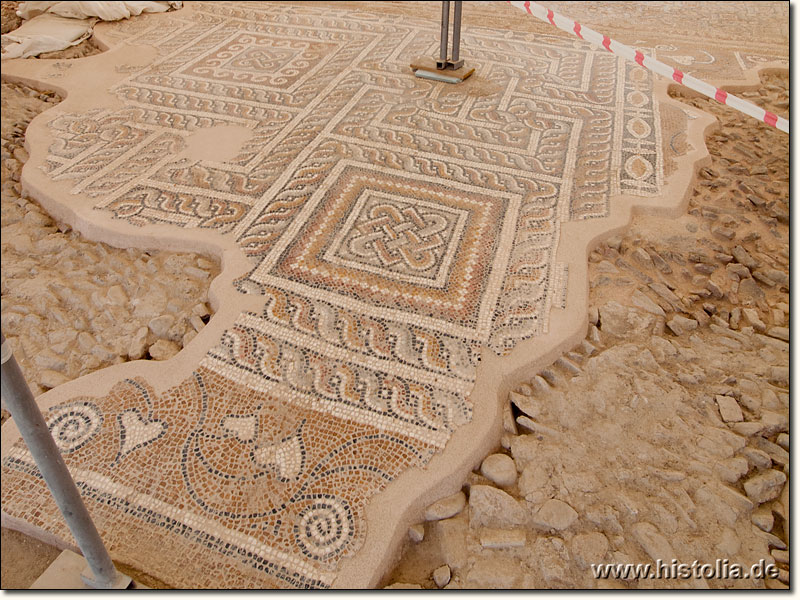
163,350
524,448
104,353
714,495
604,517
642,256
534,483
441,576
744,257
552,558
509,425
502,538
751,403
646,304
729,409
779,376
773,541
762,518
555,514
116,295
188,337
200,310
47,359
765,486
195,272
680,325
49,379
151,305
446,507
652,542
661,349
451,534
748,429
622,321
773,423
757,458
781,333
161,325
733,469
138,344
777,454
751,315
500,469
538,429
664,292
490,507
589,548
749,292
416,532
86,341
780,556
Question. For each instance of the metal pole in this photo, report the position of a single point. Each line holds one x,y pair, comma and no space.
445,28
456,33
28,418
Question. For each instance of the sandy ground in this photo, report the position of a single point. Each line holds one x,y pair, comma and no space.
628,449
71,306
664,434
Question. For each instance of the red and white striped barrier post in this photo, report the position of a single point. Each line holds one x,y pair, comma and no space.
613,46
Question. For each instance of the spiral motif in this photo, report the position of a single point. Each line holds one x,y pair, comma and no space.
324,528
73,425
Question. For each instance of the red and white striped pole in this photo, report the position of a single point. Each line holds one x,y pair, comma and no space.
613,46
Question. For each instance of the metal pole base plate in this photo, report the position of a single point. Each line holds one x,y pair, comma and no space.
449,64
123,582
69,572
428,68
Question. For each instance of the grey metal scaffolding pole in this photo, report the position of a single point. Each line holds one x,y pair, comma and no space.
457,64
445,27
453,63
28,418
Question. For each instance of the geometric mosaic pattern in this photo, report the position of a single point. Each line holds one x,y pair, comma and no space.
396,226
559,129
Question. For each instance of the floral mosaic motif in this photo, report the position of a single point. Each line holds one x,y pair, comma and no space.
396,228
233,472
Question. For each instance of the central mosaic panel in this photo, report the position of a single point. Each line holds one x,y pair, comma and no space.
400,237
376,239
396,227
279,63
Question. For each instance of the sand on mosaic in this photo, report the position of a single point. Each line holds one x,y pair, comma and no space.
396,256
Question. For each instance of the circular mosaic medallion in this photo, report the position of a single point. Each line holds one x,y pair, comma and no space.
324,528
73,425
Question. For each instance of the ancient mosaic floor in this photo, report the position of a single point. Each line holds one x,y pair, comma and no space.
394,230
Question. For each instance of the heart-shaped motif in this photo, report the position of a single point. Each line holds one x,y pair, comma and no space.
136,432
289,455
243,428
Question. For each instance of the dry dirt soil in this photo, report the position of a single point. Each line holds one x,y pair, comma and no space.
664,434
